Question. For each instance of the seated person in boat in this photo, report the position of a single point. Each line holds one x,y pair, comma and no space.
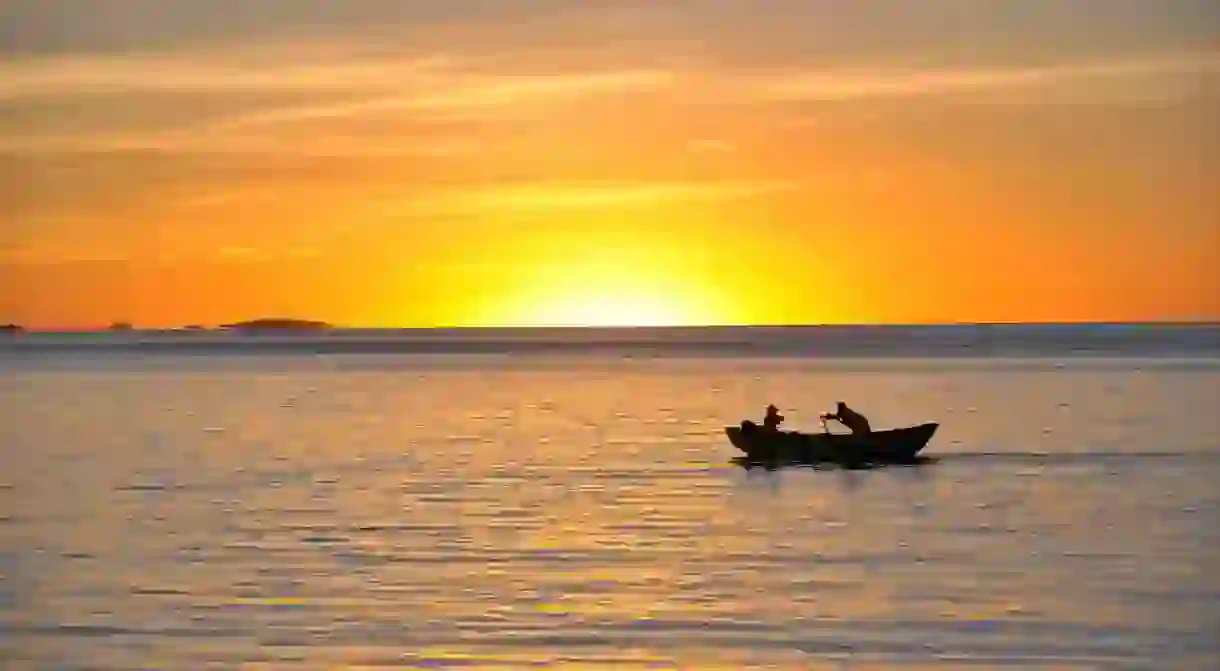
773,419
851,419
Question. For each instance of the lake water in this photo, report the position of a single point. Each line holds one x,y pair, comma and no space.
286,509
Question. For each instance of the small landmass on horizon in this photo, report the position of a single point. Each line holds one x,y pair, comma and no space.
277,324
260,324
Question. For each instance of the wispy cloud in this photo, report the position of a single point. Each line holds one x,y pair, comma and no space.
193,141
283,66
594,194
60,251
399,83
262,99
473,94
311,97
851,84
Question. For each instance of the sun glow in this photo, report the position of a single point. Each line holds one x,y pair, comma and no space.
609,292
620,268
627,302
608,310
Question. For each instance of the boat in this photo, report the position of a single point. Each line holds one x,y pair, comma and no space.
894,446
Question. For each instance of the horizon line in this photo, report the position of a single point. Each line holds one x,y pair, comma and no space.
327,326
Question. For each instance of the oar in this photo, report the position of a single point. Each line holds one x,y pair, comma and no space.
825,427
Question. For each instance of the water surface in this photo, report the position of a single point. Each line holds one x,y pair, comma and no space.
187,511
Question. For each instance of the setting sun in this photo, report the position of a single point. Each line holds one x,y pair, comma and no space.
580,309
619,289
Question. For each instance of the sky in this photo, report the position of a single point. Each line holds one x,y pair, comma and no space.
398,163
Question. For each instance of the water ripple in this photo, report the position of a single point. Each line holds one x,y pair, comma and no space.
520,518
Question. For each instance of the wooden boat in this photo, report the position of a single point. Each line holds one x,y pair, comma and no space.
897,446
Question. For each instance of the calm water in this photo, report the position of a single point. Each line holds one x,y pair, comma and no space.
359,511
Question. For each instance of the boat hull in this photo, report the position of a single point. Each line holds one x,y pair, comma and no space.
892,446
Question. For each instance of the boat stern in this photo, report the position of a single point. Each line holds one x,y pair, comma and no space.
737,438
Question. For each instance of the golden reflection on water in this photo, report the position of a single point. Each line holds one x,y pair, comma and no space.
311,517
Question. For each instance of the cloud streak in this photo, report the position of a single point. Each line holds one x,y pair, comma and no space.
840,85
194,142
265,70
547,196
312,95
472,95
411,81
262,100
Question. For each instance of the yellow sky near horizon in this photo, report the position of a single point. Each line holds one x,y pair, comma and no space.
391,166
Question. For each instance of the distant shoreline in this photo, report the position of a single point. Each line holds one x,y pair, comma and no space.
274,324
1071,340
287,326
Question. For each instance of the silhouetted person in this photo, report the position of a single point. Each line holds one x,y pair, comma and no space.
773,419
851,419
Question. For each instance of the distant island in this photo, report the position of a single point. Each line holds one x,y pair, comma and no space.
11,329
277,324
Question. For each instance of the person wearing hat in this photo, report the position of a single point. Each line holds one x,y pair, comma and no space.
850,418
773,419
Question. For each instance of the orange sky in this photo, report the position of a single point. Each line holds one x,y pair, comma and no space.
374,164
